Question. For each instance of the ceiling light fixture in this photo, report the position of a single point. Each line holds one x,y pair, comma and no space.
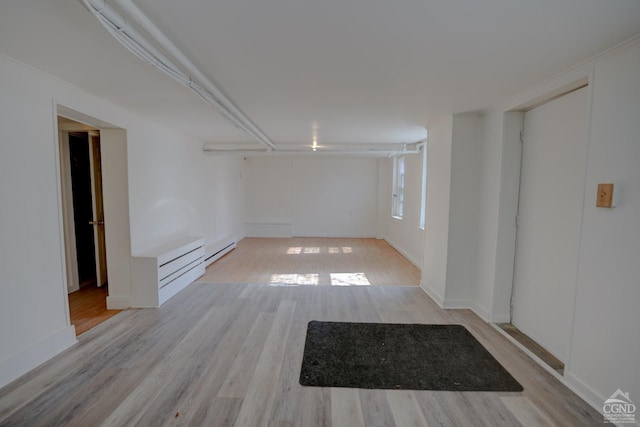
314,136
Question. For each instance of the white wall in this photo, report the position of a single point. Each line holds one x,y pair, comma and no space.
32,284
269,192
176,190
115,185
172,187
405,234
311,196
436,233
605,352
499,179
464,199
451,230
605,344
226,203
490,160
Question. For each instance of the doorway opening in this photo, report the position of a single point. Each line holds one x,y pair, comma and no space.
84,227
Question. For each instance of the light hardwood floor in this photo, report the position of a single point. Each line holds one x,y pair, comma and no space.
88,307
230,354
321,261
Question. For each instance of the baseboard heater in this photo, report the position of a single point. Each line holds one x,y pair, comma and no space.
161,272
219,254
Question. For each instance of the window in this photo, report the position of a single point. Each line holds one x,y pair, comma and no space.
423,197
397,207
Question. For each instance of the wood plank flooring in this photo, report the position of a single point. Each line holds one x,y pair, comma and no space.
88,307
230,354
316,261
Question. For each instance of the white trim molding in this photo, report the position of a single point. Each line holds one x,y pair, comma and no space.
30,358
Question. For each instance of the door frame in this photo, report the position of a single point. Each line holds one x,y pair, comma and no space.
511,116
97,200
582,194
117,235
71,261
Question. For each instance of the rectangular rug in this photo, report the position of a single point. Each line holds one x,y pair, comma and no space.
400,356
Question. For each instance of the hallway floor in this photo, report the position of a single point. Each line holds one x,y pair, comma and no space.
88,307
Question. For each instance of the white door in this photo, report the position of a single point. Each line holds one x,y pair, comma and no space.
549,217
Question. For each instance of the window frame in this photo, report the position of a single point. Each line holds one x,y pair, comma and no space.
423,195
398,187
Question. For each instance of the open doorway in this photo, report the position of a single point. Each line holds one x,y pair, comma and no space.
84,227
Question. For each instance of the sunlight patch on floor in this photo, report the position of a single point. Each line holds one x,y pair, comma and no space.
349,279
294,279
297,250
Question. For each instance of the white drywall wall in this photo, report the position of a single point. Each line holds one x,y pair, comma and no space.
436,239
464,199
311,196
605,353
605,345
173,188
32,282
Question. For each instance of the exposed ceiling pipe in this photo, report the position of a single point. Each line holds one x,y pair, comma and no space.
263,152
144,49
371,150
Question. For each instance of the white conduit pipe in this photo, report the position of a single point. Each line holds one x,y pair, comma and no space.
212,149
143,49
249,153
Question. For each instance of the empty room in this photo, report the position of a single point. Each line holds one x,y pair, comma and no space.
337,213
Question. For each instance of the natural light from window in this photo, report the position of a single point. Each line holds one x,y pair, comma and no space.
423,196
397,196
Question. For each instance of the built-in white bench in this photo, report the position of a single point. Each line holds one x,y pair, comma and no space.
161,272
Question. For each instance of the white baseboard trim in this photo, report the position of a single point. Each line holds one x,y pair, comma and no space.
335,235
21,363
585,392
480,311
500,318
269,230
117,302
415,262
435,296
455,304
574,384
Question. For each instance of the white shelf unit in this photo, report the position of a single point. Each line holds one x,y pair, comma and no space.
161,272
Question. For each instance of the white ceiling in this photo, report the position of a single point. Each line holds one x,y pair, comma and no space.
360,71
